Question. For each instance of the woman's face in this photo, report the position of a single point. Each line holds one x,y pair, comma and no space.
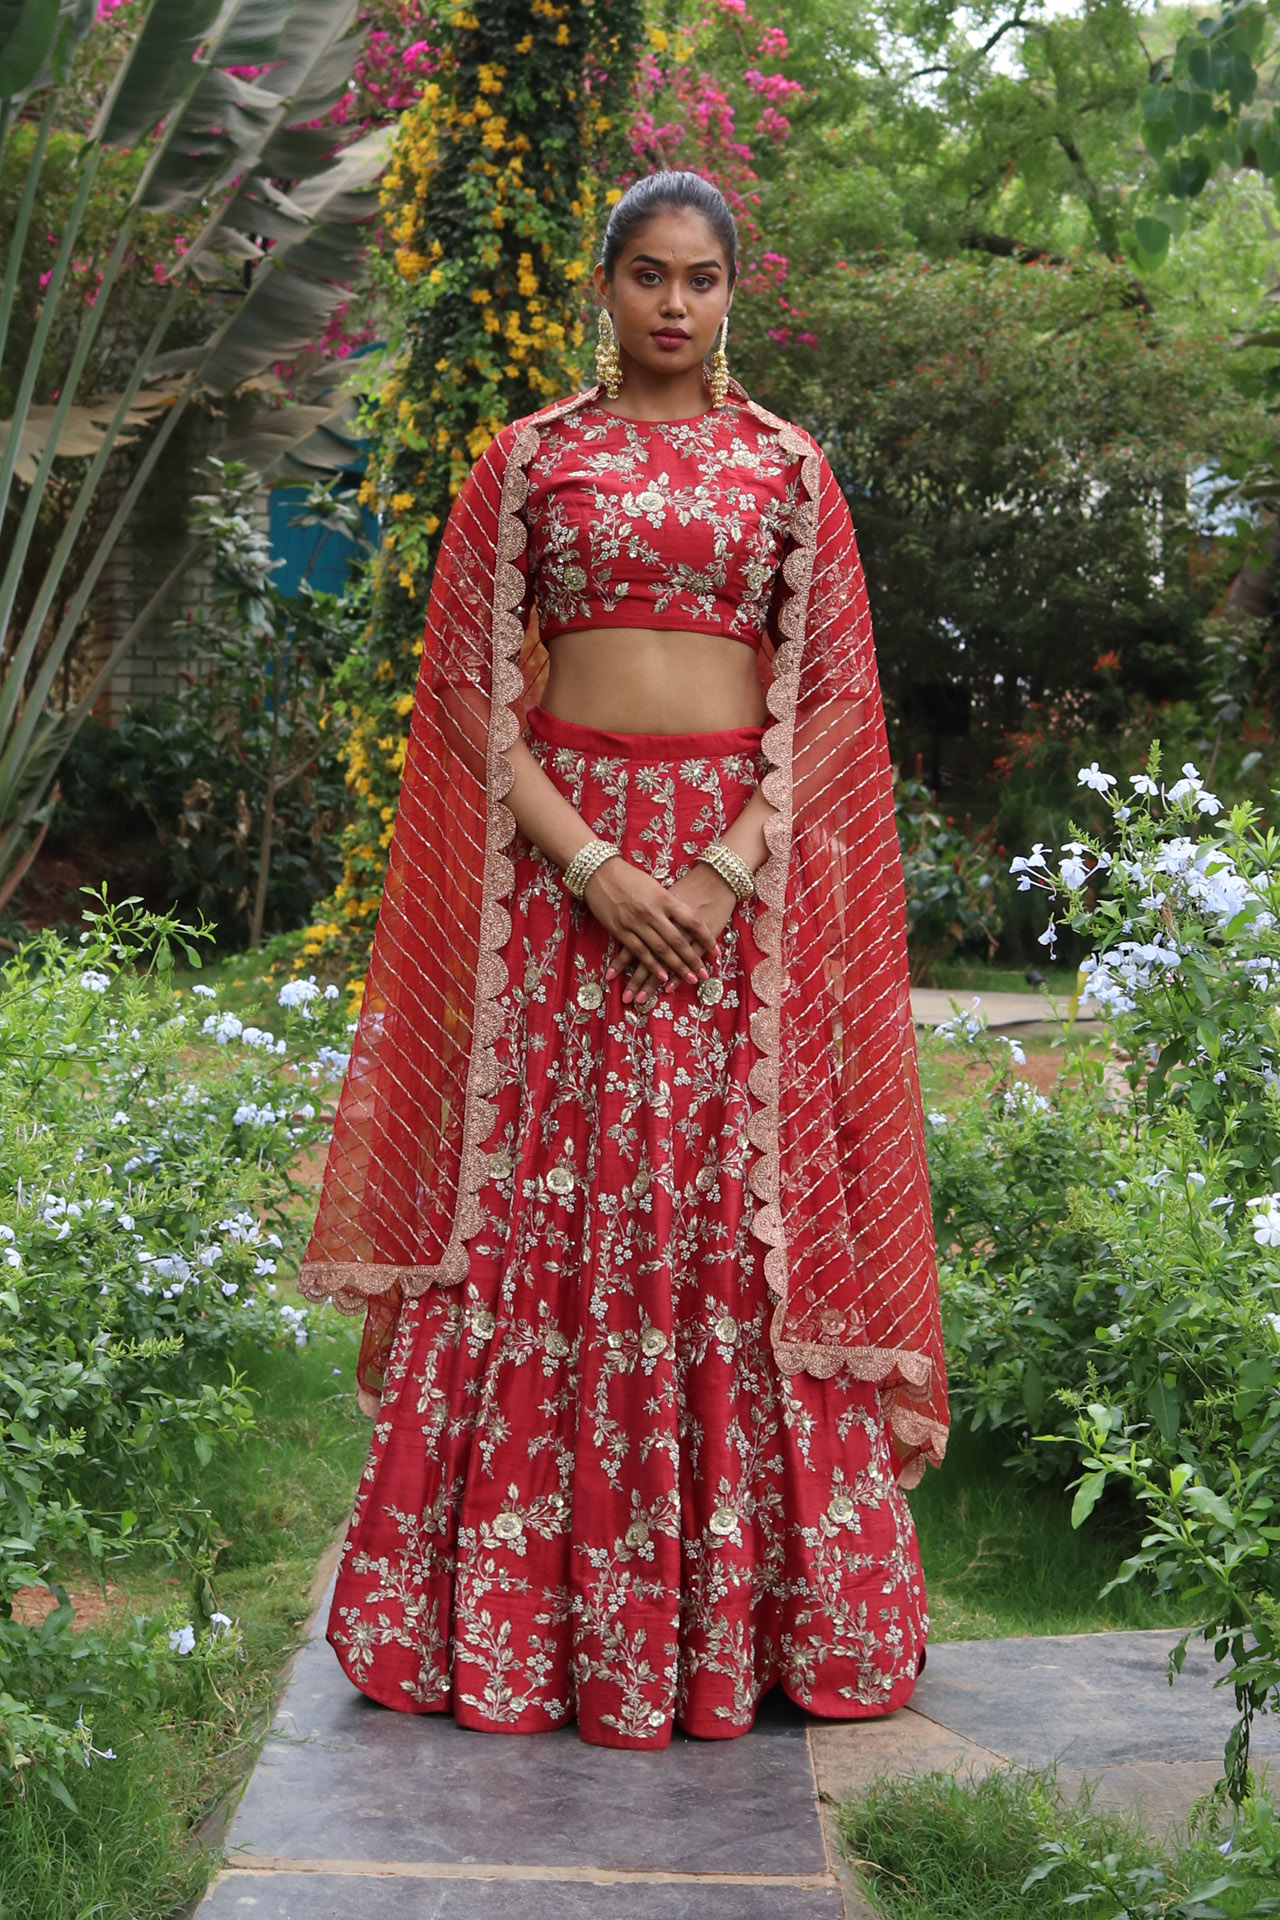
669,293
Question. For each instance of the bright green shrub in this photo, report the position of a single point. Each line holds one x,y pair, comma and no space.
1136,1318
147,1137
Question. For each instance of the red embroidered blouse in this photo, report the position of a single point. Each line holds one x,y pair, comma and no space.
674,524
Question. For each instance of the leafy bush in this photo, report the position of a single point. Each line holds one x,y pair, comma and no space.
148,1138
239,777
951,879
1139,1317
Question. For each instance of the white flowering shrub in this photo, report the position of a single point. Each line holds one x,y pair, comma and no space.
1136,1318
148,1141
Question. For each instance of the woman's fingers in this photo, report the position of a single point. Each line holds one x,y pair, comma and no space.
678,949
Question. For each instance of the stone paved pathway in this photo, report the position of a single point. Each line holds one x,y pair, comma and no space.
1033,1012
353,1810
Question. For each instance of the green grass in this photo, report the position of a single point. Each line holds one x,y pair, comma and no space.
1000,1558
130,1851
979,976
938,1847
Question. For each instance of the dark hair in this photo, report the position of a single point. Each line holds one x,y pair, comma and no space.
649,195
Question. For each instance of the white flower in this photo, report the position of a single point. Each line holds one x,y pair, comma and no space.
1049,938
169,1266
262,1267
93,981
206,993
1266,1228
1022,1097
126,1221
1273,1321
1017,1053
1143,783
1093,776
258,1037
296,993
230,1287
331,992
182,1640
223,1027
7,1233
1029,864
295,1320
935,1118
12,1258
966,1026
1074,873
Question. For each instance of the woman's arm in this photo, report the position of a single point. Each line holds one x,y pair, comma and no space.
664,934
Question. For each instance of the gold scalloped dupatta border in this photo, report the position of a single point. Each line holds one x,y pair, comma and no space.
400,1194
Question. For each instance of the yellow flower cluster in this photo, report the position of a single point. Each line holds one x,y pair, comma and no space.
490,231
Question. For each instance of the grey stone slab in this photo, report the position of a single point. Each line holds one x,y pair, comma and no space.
341,1778
1089,1700
240,1895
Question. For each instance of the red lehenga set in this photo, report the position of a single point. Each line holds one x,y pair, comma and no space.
652,1334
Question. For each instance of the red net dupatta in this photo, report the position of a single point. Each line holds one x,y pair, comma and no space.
839,1174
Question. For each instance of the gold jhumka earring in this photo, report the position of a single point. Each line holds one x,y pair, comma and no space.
718,370
608,359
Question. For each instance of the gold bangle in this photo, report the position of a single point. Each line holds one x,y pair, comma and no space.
731,867
586,861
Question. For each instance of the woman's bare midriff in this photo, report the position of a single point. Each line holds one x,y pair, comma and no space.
629,680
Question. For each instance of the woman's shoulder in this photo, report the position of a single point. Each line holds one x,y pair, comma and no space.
789,431
547,416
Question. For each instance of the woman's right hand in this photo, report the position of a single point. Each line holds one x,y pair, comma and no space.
649,923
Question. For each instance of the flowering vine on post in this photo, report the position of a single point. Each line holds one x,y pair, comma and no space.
490,204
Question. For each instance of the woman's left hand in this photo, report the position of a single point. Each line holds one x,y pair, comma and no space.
711,898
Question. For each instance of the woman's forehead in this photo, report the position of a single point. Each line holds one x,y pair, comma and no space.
677,236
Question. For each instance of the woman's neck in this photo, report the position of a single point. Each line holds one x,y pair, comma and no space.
655,397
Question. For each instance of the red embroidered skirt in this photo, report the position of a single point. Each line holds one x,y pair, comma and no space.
591,1493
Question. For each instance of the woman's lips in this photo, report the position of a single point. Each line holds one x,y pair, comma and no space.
670,338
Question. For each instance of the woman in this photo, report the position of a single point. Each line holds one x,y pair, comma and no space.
628,1166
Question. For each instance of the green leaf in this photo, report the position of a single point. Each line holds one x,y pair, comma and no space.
1212,1505
1088,1494
27,32
1184,177
1190,112
1165,1407
54,1785
158,71
298,286
1157,103
1153,238
1033,1392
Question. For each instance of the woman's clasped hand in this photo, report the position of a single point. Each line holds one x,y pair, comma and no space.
667,933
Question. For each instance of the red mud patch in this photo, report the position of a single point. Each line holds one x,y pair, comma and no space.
92,1606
